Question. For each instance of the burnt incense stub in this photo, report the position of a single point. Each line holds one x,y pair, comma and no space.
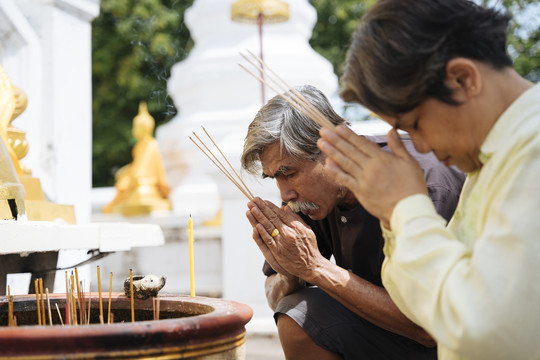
144,286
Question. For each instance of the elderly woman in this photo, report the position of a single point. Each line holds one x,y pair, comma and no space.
439,70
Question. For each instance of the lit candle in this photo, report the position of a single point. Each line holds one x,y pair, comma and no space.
191,259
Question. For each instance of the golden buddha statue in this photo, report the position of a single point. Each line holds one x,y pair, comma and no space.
11,190
141,185
38,207
20,193
18,146
16,137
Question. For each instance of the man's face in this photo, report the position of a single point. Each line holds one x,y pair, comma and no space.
301,180
446,130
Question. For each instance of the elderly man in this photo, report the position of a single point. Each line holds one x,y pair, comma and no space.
346,313
472,284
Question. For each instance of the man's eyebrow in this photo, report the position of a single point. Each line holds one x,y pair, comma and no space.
282,169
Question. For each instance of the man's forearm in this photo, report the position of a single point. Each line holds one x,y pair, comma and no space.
367,300
278,286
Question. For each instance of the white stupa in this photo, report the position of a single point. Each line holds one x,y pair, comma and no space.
210,89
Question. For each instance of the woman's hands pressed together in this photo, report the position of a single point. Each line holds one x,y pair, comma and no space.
378,179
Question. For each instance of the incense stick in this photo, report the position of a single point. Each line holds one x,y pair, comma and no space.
222,154
67,307
43,315
225,172
79,298
48,306
83,304
10,310
89,302
109,313
10,307
59,314
305,106
100,301
73,315
131,293
240,185
36,286
295,98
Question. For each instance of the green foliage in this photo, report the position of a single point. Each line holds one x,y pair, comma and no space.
527,58
524,37
336,20
134,45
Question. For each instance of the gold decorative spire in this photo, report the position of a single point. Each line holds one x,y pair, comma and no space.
260,12
248,11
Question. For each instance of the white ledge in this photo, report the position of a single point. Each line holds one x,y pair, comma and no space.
39,236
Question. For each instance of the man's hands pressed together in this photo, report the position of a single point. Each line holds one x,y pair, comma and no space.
294,251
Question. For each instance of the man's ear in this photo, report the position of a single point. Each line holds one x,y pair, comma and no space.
463,78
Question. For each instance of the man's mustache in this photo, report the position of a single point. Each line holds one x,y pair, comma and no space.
302,206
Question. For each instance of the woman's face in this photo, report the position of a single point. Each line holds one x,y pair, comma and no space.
447,130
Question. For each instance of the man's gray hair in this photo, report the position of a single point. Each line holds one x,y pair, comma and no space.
280,121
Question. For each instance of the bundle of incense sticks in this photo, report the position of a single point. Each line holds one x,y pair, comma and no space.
76,299
288,93
40,304
291,95
233,177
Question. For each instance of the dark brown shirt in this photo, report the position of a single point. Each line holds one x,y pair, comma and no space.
354,237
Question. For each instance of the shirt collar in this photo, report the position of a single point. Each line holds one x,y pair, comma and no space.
510,120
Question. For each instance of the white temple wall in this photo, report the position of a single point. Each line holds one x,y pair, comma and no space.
45,48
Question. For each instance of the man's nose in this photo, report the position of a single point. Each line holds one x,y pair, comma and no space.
286,191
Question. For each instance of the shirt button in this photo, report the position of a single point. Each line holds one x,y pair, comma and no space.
344,219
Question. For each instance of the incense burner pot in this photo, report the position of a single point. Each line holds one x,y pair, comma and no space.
189,328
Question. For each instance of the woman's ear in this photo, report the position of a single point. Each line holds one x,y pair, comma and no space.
463,78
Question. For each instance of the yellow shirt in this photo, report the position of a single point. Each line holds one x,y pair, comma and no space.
475,285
